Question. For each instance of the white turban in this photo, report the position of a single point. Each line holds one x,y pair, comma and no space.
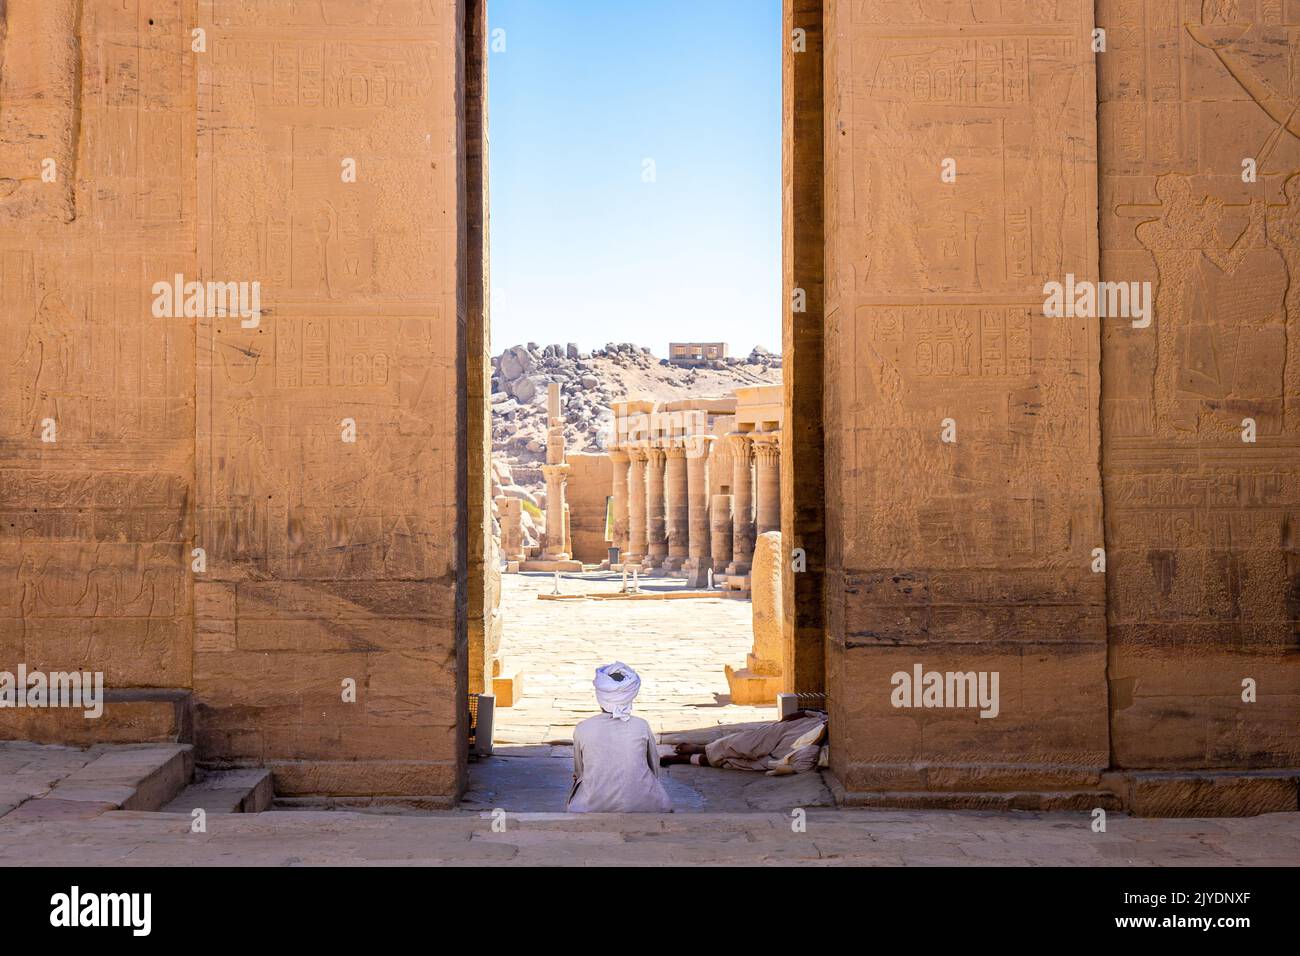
616,687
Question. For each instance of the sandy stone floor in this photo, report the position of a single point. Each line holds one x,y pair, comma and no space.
677,645
857,837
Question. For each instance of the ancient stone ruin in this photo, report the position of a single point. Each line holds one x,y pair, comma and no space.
1040,415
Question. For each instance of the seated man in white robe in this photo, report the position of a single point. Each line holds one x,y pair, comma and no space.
791,745
615,756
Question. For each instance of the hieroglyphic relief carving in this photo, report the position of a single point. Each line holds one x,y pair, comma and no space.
1200,154
361,294
936,320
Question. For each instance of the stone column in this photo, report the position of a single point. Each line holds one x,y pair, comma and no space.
555,471
676,506
635,506
699,538
555,524
656,546
767,482
720,531
621,461
720,469
742,502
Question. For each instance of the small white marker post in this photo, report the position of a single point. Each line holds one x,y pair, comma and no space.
636,580
557,583
710,579
623,590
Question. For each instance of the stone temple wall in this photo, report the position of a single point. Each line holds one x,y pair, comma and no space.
313,456
181,506
1203,528
586,491
98,199
1074,440
969,554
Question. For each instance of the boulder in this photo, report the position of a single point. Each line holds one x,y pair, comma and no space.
524,389
514,363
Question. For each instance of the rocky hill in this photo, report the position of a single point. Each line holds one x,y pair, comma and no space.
589,383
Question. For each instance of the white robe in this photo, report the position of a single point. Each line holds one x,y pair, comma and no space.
773,748
616,768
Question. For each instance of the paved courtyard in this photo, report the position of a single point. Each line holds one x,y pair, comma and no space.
677,645
832,837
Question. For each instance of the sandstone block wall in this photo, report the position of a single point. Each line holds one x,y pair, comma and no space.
970,554
326,559
97,201
1074,438
1203,528
591,480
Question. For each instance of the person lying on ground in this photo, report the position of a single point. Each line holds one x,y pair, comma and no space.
791,745
615,756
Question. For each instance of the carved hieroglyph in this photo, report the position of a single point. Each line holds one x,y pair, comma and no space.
1200,153
972,553
327,480
97,119
313,149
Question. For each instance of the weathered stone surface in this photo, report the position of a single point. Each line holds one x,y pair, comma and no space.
971,554
129,716
981,457
236,445
225,791
1209,794
767,595
587,490
1202,537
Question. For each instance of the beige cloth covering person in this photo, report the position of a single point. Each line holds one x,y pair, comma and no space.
615,756
789,746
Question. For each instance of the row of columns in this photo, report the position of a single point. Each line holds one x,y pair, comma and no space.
665,518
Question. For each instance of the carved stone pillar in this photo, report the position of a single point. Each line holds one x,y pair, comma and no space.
720,530
676,506
656,532
635,506
555,513
621,462
742,502
767,482
699,537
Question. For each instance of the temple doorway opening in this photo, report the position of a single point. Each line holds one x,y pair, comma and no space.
635,471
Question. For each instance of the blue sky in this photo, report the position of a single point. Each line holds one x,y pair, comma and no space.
582,249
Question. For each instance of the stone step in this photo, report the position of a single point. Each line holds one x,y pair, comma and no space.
1039,800
117,777
1207,793
225,791
132,715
